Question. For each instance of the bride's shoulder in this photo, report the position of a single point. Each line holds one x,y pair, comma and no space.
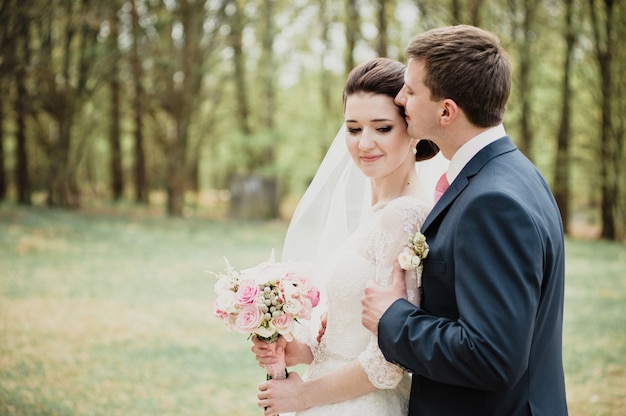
407,209
408,202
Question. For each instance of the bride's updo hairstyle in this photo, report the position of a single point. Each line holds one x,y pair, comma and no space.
384,76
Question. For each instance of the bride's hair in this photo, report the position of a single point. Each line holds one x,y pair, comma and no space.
384,76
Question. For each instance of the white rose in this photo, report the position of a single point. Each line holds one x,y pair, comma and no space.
405,260
227,301
292,308
415,261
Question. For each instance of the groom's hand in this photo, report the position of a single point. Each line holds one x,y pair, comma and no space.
378,299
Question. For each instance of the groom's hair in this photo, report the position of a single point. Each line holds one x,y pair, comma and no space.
465,64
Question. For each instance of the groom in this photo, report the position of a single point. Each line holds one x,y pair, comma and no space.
487,339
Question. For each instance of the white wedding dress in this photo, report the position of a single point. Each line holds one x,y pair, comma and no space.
370,252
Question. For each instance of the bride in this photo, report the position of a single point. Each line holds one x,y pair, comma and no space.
353,221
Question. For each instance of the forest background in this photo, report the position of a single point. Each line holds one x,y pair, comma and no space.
225,108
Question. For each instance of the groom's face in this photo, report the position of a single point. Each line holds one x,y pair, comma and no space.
422,114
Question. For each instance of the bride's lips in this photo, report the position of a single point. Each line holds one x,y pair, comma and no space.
370,158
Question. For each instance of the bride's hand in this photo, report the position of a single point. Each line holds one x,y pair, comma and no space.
279,396
264,354
296,352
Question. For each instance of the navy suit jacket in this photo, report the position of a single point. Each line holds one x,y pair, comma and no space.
487,339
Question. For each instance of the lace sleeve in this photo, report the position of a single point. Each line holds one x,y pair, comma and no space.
380,372
399,219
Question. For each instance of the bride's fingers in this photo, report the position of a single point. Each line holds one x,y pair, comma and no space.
398,273
266,405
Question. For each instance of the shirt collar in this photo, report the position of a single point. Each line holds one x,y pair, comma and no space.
470,148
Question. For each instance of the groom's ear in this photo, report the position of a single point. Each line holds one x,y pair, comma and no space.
425,149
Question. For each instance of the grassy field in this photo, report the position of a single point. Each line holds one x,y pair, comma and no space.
111,315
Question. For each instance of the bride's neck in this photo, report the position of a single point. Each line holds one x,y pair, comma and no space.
394,186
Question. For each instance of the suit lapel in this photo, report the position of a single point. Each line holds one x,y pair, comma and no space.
500,146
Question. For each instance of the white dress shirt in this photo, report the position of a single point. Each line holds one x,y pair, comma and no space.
469,150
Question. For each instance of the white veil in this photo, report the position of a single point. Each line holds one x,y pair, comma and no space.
332,206
330,209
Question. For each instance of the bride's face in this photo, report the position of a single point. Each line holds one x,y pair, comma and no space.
376,137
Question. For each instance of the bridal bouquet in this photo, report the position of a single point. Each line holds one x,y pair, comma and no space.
266,300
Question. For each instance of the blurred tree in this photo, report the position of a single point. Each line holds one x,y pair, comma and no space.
6,69
236,23
259,82
475,7
602,17
115,141
254,190
524,34
353,32
187,44
325,13
66,58
562,164
139,162
21,55
383,7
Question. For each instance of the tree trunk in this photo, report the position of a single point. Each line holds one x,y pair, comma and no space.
381,46
604,43
184,92
3,177
22,179
116,172
526,61
268,66
562,162
475,7
240,77
456,12
141,182
327,95
61,189
176,171
352,32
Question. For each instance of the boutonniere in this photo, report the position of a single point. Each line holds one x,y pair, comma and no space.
412,258
415,251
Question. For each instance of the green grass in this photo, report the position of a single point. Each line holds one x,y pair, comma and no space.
110,314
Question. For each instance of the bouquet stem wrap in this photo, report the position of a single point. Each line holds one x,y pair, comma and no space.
276,371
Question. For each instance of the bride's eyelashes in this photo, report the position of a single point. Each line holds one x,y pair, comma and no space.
383,129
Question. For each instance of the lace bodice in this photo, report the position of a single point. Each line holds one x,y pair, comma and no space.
369,253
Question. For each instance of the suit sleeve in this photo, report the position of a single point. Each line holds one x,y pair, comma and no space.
493,266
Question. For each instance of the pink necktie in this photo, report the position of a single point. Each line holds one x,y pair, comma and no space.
440,188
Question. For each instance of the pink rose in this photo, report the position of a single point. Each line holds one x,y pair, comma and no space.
283,325
248,319
314,296
247,293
